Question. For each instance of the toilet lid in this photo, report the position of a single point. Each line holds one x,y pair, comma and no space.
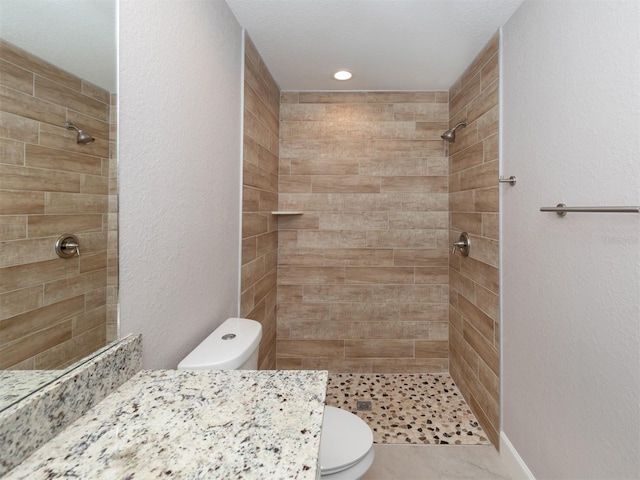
346,439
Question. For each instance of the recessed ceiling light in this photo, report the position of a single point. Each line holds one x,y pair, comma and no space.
342,75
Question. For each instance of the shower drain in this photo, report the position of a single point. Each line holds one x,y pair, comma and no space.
363,406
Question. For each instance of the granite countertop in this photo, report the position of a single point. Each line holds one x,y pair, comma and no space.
16,384
195,425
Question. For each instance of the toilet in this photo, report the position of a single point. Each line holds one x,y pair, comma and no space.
346,444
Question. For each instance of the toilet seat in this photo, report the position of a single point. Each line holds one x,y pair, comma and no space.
346,440
355,471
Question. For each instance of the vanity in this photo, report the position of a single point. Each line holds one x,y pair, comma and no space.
187,424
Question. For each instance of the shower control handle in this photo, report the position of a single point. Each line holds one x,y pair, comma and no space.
463,244
67,246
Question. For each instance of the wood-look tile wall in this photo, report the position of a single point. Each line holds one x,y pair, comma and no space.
363,272
112,236
474,333
259,199
52,311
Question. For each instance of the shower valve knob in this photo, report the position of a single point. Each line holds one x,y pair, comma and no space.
67,246
463,243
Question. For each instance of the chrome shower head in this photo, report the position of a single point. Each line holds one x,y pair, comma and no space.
83,137
450,135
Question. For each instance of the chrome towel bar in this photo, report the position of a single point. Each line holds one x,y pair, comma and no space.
511,180
561,209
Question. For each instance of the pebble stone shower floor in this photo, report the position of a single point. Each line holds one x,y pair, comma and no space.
408,408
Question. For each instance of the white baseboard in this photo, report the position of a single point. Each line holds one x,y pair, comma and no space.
514,462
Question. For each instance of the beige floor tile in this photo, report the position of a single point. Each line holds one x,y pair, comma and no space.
436,462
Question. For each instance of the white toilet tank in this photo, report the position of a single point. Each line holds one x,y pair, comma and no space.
234,345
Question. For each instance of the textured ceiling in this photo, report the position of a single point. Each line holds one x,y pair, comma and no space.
386,44
78,36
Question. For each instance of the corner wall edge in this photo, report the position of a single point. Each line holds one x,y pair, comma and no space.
513,460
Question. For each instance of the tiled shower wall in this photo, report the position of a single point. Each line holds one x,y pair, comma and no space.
363,271
474,333
259,199
112,238
52,310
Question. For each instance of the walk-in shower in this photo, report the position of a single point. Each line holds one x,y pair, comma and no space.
83,137
450,135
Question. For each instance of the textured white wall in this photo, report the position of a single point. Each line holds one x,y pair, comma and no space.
180,166
571,286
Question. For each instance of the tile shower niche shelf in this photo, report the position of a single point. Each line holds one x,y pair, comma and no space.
286,213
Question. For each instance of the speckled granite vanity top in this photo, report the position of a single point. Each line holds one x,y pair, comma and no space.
16,384
196,425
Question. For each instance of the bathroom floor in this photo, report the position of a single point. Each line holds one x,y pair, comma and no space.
407,408
423,462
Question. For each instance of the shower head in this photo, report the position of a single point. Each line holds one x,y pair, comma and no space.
83,137
450,135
